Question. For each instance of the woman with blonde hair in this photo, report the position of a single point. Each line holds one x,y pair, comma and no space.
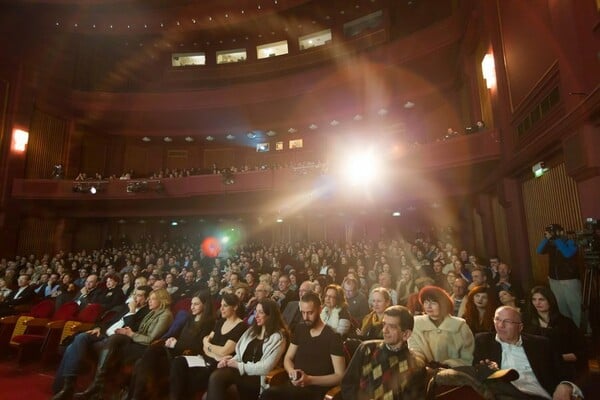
127,345
372,323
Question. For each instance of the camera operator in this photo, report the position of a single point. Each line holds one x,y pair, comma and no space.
563,273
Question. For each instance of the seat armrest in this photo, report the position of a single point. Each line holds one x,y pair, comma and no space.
276,377
37,322
56,324
9,320
335,393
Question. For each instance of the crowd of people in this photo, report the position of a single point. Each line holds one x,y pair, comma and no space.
402,308
301,167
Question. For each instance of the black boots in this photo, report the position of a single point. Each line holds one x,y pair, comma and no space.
94,391
66,393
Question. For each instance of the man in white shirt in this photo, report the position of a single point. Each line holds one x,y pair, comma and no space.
537,363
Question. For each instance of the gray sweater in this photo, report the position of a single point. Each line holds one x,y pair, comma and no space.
273,348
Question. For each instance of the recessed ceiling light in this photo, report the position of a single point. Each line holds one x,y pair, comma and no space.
358,117
230,137
210,138
382,112
251,135
271,133
312,127
146,139
292,130
189,139
168,139
334,123
409,105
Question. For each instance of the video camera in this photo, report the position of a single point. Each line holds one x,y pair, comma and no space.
588,241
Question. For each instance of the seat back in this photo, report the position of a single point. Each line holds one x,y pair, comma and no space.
43,309
90,313
182,304
20,327
66,311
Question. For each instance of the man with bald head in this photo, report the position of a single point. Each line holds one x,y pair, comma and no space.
291,314
533,357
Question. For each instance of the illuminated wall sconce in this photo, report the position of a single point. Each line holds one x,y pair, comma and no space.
488,69
20,140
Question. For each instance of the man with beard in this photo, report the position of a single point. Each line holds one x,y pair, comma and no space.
315,359
387,368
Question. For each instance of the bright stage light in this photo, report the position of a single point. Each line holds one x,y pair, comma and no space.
225,239
361,168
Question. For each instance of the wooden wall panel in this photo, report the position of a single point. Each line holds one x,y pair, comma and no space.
501,229
479,249
221,157
36,236
46,144
552,198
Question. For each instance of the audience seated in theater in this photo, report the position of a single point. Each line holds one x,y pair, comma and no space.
112,296
127,280
334,311
544,318
372,323
4,290
439,278
385,281
292,315
481,304
172,287
450,278
149,379
96,339
314,360
537,363
23,294
261,292
187,380
387,368
439,337
127,345
506,281
405,286
90,292
258,351
478,278
413,303
459,296
283,294
358,305
508,298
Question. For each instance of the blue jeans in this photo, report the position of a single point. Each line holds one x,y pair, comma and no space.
568,296
74,354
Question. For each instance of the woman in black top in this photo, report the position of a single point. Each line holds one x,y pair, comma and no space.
149,380
186,380
544,319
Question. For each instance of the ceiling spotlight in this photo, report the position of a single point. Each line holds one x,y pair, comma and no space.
189,139
146,139
382,112
168,139
93,190
396,214
292,130
210,138
408,105
334,123
271,133
230,137
312,127
251,135
358,117
279,220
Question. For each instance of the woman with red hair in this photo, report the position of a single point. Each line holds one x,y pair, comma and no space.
441,339
480,308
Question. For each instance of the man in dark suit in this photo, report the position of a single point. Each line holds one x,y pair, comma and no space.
537,363
291,314
24,294
90,292
95,339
